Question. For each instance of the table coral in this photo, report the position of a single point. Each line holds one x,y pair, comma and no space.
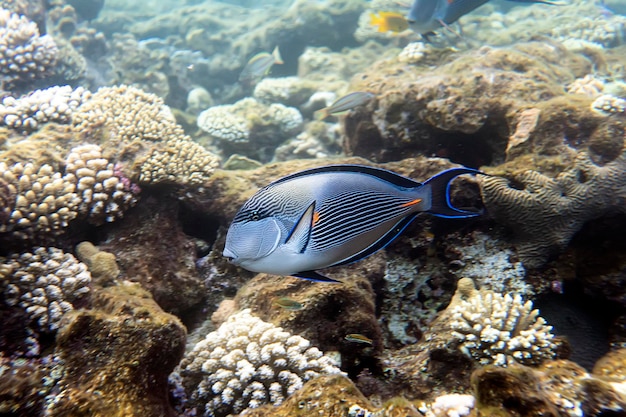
24,53
546,212
247,363
45,283
497,329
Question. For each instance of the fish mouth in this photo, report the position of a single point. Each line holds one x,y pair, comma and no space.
230,256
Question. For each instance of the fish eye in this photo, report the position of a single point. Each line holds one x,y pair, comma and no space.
254,216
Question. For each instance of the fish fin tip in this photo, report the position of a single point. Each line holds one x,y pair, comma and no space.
300,234
314,276
277,58
440,194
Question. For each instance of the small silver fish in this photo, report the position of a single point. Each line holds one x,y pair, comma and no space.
259,66
330,216
426,16
345,103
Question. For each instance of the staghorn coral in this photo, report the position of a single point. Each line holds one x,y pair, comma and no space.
45,283
24,54
546,212
248,362
497,329
54,104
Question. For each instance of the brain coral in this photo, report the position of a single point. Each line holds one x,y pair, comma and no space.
497,329
24,54
247,363
45,283
546,212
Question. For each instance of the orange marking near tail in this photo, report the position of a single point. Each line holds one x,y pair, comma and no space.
316,218
411,203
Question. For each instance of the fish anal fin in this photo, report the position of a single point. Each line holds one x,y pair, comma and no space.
314,276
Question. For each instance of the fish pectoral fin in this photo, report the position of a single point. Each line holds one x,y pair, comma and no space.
314,276
298,238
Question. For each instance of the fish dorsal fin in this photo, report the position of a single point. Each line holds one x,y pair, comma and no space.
298,238
314,276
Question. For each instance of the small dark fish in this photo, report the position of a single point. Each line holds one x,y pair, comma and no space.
426,16
288,303
259,66
332,215
389,22
358,338
345,103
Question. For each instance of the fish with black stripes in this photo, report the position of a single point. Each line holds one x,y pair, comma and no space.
332,215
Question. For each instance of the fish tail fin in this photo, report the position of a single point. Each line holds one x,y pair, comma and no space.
321,114
440,190
277,58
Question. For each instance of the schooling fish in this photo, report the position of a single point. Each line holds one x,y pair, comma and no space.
426,16
345,103
259,66
330,216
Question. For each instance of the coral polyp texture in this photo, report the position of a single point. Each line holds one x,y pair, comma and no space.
24,53
250,127
246,363
546,212
54,104
103,195
45,283
140,127
499,329
42,202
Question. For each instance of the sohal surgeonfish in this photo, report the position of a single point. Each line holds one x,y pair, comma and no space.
332,215
426,16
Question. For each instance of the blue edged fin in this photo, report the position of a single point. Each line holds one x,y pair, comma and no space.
440,189
381,243
314,276
300,235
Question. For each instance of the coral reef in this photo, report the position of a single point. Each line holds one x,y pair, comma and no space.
102,265
54,104
45,283
246,363
546,212
497,329
24,53
249,127
131,346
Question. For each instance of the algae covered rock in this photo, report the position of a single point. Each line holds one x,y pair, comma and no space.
115,358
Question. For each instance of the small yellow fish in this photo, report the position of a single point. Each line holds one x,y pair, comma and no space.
358,338
288,303
389,21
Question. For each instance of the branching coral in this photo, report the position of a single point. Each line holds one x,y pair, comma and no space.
45,283
24,54
54,104
42,202
247,363
497,329
546,212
